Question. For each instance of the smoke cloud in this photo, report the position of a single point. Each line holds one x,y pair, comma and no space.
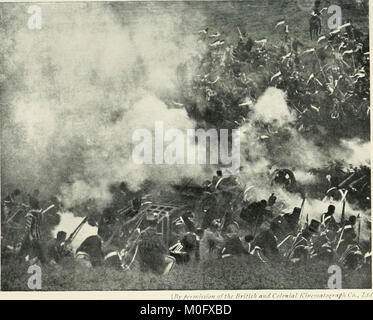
82,85
270,141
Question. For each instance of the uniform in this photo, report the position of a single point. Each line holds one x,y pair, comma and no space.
233,246
30,243
299,251
189,224
6,207
152,250
58,251
327,220
90,252
186,248
211,244
255,214
267,241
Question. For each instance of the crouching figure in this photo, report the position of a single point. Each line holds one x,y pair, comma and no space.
153,254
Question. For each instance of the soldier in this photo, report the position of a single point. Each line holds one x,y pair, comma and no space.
292,220
212,241
90,253
153,253
217,178
316,8
255,213
186,249
348,230
191,244
267,240
188,218
135,208
178,230
13,198
322,249
327,219
352,258
346,236
30,244
113,259
106,223
247,243
233,246
301,246
58,250
10,202
214,210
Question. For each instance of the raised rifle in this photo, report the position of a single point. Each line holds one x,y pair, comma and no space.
131,246
239,31
344,194
301,207
300,214
75,232
47,209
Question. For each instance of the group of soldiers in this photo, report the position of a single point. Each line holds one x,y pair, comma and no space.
325,83
326,80
223,228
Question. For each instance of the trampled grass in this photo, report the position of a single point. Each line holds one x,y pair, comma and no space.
238,273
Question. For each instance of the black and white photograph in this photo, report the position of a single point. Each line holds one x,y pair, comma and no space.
185,146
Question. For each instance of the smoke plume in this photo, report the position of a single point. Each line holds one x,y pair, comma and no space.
80,86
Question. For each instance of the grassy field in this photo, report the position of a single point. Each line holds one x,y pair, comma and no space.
238,273
256,18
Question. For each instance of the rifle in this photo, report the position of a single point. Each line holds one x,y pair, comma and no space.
47,209
132,244
343,209
340,237
300,214
23,206
75,232
347,180
239,31
12,216
301,206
